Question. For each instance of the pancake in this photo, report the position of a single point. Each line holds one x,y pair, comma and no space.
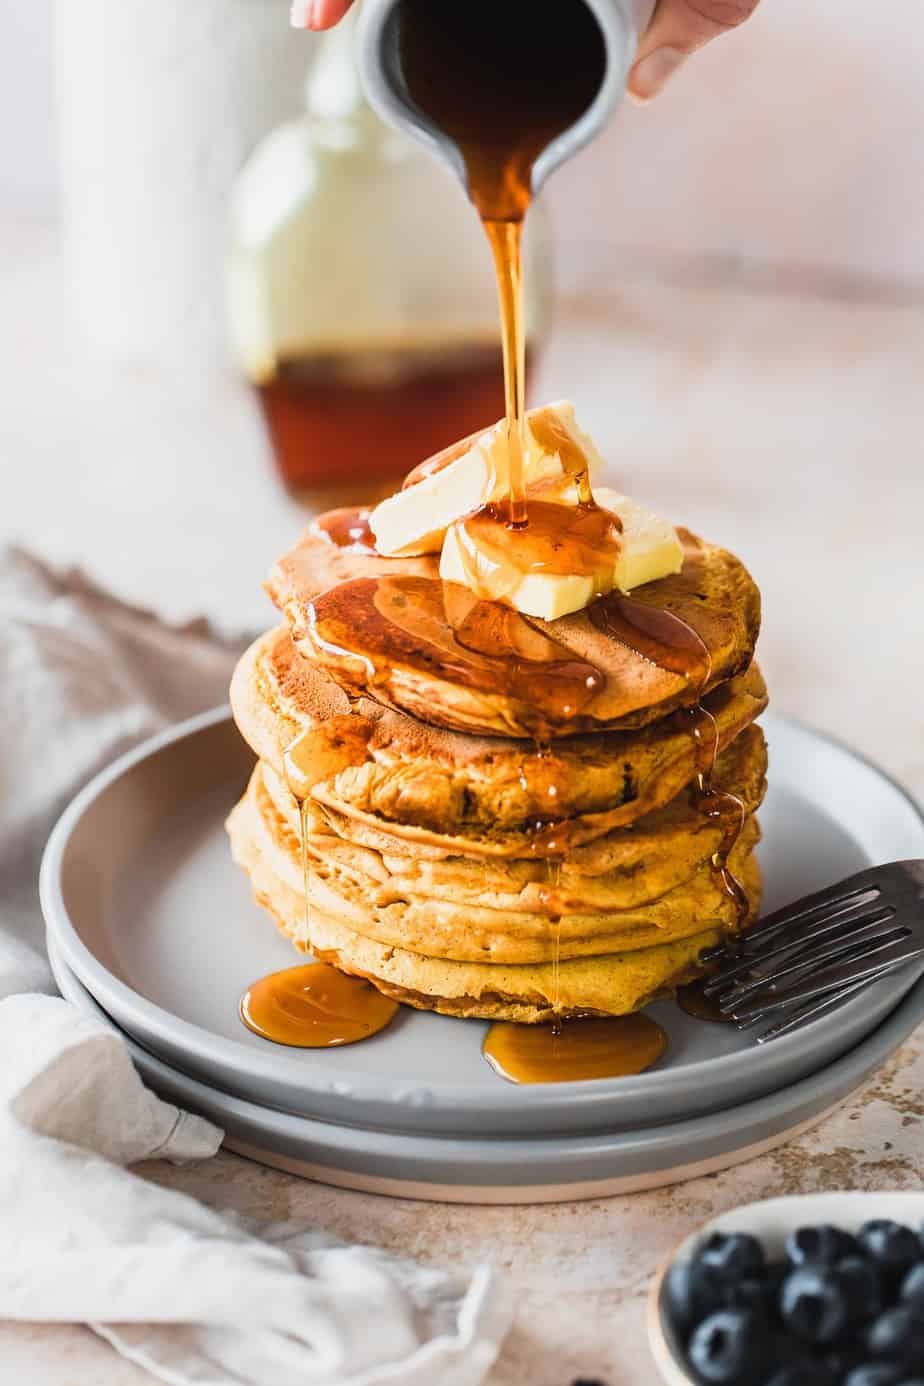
390,629
462,793
374,906
625,868
603,984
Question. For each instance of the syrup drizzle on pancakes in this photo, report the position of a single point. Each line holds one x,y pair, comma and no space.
347,528
445,632
450,633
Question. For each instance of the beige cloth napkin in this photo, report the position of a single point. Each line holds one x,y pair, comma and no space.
197,1296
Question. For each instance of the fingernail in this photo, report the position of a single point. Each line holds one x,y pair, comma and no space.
304,14
649,74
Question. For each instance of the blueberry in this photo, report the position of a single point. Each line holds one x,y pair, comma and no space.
789,1351
791,1355
839,1363
873,1374
894,1247
861,1281
691,1291
821,1245
756,1293
912,1291
732,1255
898,1336
730,1348
796,1374
814,1305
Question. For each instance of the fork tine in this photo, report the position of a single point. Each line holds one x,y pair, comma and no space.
860,967
767,972
815,1008
806,923
765,993
846,924
865,883
806,1010
805,959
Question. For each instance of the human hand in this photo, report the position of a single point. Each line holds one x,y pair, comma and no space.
677,28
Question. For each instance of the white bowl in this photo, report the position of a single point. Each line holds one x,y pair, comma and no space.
771,1221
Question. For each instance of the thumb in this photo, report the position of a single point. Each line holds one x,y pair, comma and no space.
678,28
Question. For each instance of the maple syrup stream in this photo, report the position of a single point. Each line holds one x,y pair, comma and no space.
502,82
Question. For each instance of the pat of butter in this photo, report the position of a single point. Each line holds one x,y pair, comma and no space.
649,549
415,520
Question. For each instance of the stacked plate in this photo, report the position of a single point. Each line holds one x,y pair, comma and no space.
152,929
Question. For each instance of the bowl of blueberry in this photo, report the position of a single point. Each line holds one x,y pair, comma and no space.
817,1290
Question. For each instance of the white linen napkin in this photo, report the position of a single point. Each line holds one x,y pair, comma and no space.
196,1296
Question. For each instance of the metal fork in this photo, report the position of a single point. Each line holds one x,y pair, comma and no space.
804,960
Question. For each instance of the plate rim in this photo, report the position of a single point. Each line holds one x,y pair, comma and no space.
586,1097
576,1142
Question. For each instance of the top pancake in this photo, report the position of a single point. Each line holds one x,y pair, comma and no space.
359,635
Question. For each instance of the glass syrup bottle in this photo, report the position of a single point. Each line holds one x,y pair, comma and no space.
361,296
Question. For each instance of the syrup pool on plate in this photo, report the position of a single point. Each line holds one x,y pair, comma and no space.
574,1050
314,1006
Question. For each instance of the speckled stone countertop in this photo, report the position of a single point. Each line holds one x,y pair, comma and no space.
786,426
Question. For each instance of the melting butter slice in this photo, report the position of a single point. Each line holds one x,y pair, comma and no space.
649,550
468,476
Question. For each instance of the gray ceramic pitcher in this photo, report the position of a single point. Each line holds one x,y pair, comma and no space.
621,23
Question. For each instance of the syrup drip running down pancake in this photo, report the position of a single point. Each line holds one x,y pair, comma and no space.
401,644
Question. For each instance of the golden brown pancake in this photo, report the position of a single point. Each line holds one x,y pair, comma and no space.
605,984
373,905
478,795
390,629
623,869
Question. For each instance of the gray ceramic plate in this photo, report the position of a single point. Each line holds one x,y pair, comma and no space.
140,894
532,1169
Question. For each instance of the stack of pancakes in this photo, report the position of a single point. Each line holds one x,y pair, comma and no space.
458,861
